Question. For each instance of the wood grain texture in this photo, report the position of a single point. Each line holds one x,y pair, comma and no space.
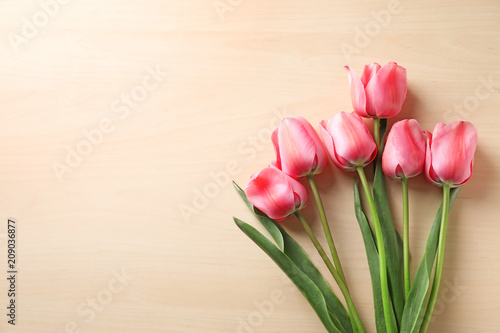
178,97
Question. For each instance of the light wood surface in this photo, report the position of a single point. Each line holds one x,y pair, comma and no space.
208,85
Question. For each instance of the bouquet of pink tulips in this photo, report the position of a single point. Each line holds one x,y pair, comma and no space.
275,193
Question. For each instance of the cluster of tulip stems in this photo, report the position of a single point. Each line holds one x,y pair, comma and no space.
273,194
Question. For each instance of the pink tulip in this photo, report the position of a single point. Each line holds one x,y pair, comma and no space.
275,193
404,153
299,150
380,92
348,140
450,153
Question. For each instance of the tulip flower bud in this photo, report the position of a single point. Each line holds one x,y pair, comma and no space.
450,153
299,150
380,92
404,153
348,141
275,193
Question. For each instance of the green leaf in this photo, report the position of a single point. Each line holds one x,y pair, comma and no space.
335,319
265,221
299,278
415,305
383,130
392,241
294,251
373,262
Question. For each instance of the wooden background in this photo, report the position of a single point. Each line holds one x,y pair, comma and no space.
122,123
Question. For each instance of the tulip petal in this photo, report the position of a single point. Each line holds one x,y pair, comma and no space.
438,128
404,153
275,193
270,194
328,140
274,139
386,91
389,158
353,143
300,194
321,154
453,150
368,72
430,174
358,96
297,149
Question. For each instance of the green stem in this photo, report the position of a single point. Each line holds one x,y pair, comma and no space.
376,131
326,228
406,238
335,274
381,253
439,262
